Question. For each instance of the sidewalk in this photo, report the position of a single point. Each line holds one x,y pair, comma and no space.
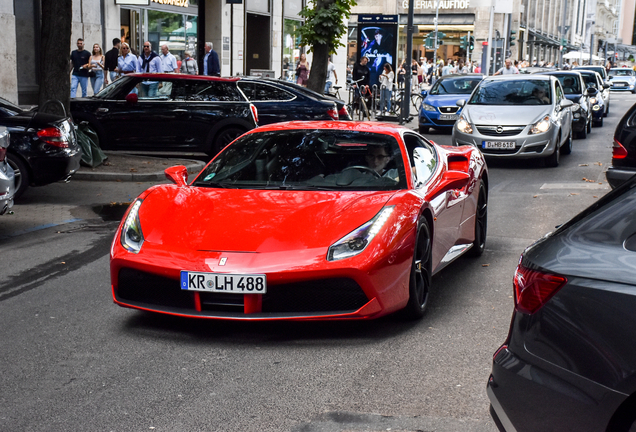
136,168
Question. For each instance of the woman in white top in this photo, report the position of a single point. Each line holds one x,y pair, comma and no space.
96,66
386,87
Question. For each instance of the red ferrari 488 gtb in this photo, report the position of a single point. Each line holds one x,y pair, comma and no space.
304,221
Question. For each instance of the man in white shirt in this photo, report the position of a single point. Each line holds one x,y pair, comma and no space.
149,62
332,77
168,61
509,69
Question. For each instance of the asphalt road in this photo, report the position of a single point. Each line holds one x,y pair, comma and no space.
72,360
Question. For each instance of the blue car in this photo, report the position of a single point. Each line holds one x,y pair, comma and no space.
439,109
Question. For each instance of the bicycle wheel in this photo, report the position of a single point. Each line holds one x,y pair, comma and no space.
364,112
416,102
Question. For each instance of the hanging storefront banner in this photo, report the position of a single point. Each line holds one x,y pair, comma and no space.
377,40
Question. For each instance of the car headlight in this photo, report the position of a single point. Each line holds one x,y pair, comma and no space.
355,242
463,126
541,126
593,101
575,107
131,236
427,107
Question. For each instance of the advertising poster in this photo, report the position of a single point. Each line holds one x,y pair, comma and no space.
377,40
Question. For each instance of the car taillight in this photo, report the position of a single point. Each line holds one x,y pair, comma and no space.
254,112
53,136
333,112
618,151
343,112
533,288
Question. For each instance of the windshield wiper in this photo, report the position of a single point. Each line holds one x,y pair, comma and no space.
215,185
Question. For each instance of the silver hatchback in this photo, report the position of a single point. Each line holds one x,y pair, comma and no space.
517,116
7,176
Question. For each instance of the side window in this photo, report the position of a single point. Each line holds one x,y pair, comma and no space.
211,91
154,90
428,164
264,92
558,92
247,88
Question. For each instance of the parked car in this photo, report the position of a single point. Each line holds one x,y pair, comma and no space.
624,150
604,88
44,147
304,221
167,112
317,106
517,117
7,176
575,90
439,108
622,79
594,82
568,362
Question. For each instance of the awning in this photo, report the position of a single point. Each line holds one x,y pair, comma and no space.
576,55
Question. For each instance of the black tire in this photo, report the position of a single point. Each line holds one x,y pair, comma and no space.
22,176
566,148
606,111
589,125
224,137
481,223
421,278
424,129
599,123
583,133
552,161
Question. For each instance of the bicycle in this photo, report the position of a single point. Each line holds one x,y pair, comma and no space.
357,101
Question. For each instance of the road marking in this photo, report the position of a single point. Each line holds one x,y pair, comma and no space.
581,185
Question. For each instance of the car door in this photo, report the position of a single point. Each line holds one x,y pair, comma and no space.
273,104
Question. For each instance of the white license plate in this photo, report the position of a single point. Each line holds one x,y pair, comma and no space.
224,282
498,145
449,116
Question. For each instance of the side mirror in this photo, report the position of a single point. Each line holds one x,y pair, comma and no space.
454,180
460,103
591,91
178,175
565,103
424,93
132,98
606,84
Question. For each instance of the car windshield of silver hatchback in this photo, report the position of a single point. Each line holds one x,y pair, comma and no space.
512,92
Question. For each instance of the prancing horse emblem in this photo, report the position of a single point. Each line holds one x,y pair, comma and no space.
222,261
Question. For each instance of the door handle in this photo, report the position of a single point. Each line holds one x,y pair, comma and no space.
102,110
180,111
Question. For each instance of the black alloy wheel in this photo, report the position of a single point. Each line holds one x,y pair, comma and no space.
421,278
21,174
553,160
566,148
481,223
225,137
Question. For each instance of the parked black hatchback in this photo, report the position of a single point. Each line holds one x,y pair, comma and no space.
569,361
167,112
624,150
43,148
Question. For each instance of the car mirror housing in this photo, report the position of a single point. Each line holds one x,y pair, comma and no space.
424,93
178,175
132,98
591,91
460,103
606,85
565,103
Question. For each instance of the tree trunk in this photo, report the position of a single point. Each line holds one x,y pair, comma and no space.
318,75
54,54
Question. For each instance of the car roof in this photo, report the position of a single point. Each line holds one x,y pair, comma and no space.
525,77
455,76
184,76
352,126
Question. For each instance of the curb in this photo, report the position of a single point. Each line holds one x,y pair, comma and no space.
92,175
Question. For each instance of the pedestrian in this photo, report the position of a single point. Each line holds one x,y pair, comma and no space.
96,69
189,65
508,69
302,71
150,63
110,62
80,59
446,70
361,73
127,62
386,87
401,74
332,77
415,73
211,65
168,61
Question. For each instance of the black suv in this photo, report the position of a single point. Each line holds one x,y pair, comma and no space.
624,151
167,112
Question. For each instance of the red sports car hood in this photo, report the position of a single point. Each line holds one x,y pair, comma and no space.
253,220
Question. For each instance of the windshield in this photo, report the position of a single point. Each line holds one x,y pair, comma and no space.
570,84
621,72
463,86
308,160
512,92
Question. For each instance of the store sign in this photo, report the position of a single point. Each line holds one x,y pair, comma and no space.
180,3
432,5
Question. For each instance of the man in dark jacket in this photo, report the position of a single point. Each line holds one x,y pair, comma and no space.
361,71
110,64
211,65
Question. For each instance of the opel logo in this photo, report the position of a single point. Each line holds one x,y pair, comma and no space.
499,129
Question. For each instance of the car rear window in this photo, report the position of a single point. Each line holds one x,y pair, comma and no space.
570,84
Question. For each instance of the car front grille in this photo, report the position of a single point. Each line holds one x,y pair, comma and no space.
317,296
500,130
499,151
448,109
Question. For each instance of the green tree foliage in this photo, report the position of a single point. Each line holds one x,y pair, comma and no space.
324,26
